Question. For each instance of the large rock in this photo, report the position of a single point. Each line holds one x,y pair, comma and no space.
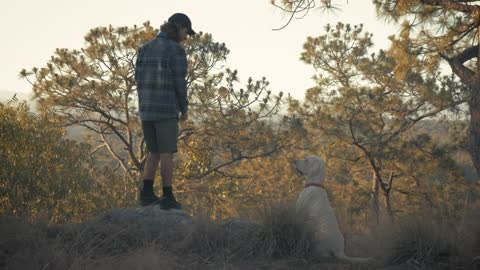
238,224
151,219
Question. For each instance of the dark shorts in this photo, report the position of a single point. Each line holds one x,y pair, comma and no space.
161,136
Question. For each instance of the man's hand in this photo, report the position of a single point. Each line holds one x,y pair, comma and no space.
184,117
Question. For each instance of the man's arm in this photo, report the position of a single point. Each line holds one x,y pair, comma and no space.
179,70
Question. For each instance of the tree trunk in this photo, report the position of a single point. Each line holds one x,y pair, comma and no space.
388,206
472,79
374,195
474,136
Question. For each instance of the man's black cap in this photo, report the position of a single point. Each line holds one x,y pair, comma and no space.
183,20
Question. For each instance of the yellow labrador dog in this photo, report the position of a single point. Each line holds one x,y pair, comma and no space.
313,202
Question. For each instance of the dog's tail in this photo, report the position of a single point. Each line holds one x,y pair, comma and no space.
342,256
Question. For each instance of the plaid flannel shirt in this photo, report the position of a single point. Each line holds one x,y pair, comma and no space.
160,72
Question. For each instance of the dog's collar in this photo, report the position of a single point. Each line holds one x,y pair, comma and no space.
314,185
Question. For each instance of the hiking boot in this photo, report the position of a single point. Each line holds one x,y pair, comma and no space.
147,197
169,202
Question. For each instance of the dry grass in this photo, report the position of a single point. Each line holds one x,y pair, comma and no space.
423,244
281,233
278,239
427,243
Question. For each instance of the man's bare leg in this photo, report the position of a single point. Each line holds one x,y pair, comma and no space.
166,168
151,166
147,195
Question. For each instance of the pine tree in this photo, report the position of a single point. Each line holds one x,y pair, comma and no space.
433,32
363,109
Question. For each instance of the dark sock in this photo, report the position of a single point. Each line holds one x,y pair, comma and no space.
148,184
168,192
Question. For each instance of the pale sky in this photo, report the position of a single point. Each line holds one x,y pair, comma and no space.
32,29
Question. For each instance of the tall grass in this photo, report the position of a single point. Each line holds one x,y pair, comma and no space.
274,237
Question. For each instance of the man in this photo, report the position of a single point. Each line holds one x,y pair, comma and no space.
160,73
